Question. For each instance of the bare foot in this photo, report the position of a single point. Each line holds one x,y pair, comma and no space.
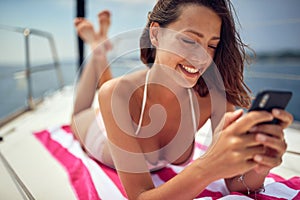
104,24
104,47
86,31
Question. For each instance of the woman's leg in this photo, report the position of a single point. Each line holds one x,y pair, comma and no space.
85,30
92,135
94,74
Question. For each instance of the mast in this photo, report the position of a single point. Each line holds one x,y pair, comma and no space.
80,13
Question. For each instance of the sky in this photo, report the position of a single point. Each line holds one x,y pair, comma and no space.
266,25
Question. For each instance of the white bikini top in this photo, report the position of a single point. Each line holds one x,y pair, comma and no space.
144,105
162,163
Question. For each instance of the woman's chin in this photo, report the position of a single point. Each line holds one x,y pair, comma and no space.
189,79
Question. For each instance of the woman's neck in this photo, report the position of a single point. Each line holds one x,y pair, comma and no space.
162,85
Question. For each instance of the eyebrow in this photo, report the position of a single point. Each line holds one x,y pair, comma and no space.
200,34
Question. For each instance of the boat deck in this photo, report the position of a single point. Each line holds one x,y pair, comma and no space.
45,178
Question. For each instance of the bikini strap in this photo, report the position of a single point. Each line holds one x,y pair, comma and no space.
192,110
143,104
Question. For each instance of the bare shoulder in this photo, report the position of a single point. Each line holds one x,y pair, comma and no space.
123,84
121,90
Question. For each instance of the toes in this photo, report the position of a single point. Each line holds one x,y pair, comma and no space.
78,20
104,13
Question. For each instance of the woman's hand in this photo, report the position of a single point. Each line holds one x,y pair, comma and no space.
284,117
272,138
233,151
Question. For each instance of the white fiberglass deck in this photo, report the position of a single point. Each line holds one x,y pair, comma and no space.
44,177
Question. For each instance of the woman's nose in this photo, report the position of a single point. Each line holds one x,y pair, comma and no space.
199,56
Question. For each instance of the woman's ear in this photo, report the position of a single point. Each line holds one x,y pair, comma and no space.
153,33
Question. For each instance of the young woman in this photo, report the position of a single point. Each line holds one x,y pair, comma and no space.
195,59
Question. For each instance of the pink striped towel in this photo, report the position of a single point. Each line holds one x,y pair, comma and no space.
92,180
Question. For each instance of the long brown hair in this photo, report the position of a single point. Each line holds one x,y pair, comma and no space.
230,54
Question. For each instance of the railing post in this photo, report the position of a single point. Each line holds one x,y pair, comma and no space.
30,101
29,70
56,62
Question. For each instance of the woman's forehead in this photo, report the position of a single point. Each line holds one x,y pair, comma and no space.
199,19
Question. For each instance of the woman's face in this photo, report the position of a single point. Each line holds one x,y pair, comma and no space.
188,45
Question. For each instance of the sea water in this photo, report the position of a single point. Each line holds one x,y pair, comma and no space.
271,74
277,75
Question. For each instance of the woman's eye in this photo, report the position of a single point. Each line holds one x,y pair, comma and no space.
212,46
188,41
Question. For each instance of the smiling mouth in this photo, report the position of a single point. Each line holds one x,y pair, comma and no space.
189,70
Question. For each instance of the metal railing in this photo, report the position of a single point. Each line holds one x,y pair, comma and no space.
29,70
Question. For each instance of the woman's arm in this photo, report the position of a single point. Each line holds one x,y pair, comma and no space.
271,138
250,179
130,162
186,185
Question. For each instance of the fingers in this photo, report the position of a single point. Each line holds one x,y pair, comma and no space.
267,161
244,123
251,152
271,136
228,118
274,149
232,116
285,117
246,141
279,145
249,140
269,129
253,140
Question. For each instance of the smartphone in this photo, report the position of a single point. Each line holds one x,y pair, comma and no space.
269,99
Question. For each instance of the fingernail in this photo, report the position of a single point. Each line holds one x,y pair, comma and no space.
253,129
276,111
261,138
258,158
237,111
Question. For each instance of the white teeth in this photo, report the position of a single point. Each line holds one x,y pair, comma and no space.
190,70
